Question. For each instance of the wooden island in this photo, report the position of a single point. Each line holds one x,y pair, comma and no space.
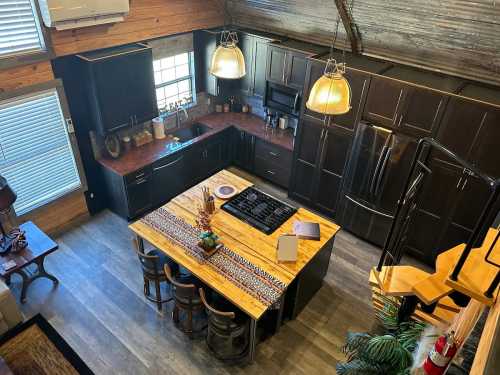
302,278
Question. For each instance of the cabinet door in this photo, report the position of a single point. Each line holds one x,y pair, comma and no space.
485,151
434,205
421,112
296,70
111,83
276,65
213,154
259,67
383,102
461,123
247,44
205,43
144,106
315,71
169,178
335,152
359,86
244,150
306,159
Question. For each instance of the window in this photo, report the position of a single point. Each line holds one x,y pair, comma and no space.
174,79
36,155
20,30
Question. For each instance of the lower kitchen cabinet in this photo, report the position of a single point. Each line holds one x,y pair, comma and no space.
243,150
131,195
272,162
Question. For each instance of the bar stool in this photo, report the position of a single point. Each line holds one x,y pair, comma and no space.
228,334
152,268
186,299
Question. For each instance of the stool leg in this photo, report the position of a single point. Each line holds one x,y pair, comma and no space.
147,292
175,314
190,323
158,294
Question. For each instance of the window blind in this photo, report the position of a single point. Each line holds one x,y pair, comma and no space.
20,30
36,156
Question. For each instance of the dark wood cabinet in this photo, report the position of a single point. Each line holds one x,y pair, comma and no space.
384,99
322,151
421,112
206,158
334,155
254,50
273,162
409,109
205,44
359,83
243,150
286,67
120,86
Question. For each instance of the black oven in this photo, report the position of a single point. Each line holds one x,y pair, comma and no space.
283,99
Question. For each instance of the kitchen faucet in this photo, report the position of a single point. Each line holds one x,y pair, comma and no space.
178,108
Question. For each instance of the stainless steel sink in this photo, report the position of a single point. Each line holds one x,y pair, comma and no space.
190,132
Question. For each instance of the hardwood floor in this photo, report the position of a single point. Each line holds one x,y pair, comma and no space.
100,309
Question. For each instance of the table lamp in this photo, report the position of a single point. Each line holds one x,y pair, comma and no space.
7,199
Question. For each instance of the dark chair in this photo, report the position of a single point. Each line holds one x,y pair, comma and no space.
152,268
227,336
186,298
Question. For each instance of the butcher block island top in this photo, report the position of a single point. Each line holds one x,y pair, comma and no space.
254,246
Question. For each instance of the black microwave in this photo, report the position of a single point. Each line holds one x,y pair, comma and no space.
283,99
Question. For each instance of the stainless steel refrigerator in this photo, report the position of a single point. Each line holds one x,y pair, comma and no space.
379,165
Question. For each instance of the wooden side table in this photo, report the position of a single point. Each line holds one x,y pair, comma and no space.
39,246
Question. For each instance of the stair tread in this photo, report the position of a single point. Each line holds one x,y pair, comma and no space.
399,280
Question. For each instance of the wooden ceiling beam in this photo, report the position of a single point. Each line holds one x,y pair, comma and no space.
349,26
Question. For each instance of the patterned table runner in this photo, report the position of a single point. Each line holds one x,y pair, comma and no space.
245,275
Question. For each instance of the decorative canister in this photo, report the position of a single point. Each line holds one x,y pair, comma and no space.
158,128
218,108
127,143
227,108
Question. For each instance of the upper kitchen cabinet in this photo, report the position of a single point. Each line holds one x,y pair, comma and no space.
120,82
408,100
205,42
255,48
470,130
287,62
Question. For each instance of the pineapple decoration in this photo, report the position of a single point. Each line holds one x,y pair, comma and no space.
208,239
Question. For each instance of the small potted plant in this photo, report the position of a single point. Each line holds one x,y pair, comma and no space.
209,241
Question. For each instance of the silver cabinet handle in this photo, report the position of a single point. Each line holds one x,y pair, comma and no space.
465,183
141,181
140,175
369,209
271,173
169,164
273,153
284,69
136,121
460,181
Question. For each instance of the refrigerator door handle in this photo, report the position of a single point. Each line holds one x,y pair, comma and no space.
382,170
368,208
377,167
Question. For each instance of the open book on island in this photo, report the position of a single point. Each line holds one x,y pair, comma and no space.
306,230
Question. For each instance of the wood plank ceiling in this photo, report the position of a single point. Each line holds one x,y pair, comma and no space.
460,37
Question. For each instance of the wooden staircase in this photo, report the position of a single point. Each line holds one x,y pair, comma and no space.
473,281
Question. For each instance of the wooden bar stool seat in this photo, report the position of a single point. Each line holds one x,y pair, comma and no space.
187,300
228,328
153,271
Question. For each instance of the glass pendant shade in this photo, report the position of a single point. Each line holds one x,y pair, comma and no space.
228,61
331,94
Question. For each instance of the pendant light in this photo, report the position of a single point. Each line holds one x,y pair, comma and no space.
331,94
228,61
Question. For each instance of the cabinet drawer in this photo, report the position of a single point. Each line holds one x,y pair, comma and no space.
274,154
268,170
138,174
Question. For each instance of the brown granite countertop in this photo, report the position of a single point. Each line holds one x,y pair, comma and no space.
145,155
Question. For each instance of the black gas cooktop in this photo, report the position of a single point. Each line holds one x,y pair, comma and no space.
259,210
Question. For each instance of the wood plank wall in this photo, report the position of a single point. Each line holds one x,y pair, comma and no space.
148,19
453,36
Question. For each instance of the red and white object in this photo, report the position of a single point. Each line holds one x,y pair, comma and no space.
441,355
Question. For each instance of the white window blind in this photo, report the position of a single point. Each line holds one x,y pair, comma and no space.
20,30
36,156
